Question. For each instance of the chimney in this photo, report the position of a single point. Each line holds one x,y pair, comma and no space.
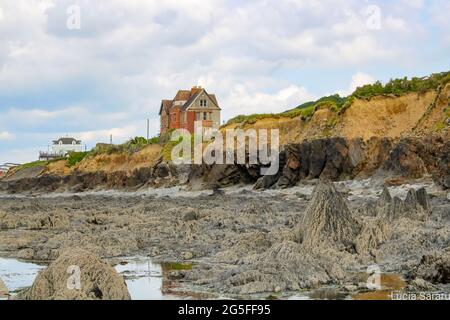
195,89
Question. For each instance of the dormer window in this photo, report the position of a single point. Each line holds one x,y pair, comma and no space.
203,103
60,142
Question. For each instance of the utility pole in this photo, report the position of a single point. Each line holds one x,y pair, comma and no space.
110,139
148,129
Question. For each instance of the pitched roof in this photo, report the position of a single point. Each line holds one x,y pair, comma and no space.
191,99
214,99
182,95
186,95
211,96
67,140
165,104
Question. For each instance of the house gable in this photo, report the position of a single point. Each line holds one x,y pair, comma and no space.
194,102
165,106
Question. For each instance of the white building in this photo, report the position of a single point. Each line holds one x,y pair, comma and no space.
63,146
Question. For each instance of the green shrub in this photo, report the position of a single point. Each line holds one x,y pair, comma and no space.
447,111
76,157
154,140
402,86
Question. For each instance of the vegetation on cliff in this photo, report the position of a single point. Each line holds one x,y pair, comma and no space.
402,86
338,104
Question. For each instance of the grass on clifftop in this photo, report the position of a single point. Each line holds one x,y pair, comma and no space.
131,146
306,110
338,104
33,164
76,157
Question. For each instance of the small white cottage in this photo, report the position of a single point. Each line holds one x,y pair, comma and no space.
62,146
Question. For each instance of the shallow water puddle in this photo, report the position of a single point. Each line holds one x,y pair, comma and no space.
390,283
144,278
18,274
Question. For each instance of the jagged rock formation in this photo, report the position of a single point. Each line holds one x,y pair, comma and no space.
285,266
328,220
416,206
434,268
98,280
4,292
373,234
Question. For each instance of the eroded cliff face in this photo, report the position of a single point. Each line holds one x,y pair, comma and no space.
392,139
384,116
413,114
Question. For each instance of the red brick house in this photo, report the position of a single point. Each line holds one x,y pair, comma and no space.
187,107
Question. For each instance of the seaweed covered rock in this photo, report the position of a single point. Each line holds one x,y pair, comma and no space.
328,220
97,279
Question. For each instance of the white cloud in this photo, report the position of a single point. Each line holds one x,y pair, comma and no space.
243,101
5,135
130,54
359,79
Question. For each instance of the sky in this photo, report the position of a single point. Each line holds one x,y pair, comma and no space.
91,68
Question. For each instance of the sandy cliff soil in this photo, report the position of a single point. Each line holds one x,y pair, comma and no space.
108,163
382,116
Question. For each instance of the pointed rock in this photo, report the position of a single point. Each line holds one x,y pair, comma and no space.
328,220
385,197
424,199
416,206
373,234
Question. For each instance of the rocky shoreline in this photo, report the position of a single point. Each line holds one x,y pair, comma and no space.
387,161
242,242
246,234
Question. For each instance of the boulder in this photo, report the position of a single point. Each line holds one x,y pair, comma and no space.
97,279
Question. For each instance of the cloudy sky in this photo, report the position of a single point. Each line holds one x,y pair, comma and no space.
109,75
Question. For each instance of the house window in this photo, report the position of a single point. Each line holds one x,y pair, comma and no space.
205,115
203,103
197,116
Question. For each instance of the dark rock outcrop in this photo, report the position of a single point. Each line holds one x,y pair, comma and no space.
386,160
